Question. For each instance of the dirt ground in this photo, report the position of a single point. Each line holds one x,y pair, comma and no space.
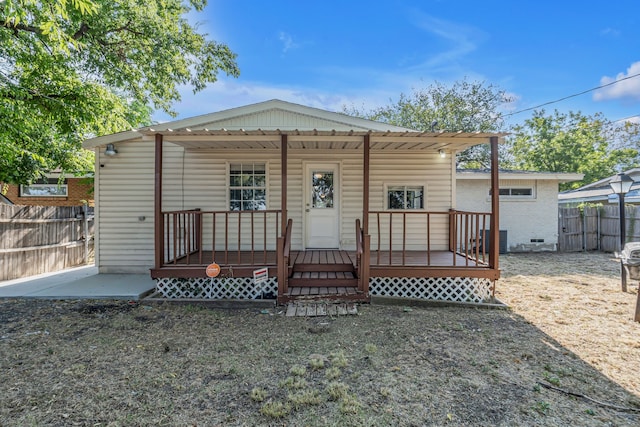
566,352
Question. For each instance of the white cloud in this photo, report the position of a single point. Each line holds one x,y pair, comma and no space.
610,32
230,93
287,42
462,39
623,89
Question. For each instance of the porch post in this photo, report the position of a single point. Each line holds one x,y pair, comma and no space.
159,218
494,246
283,183
365,186
366,239
282,260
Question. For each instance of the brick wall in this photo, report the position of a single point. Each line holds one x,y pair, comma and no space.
78,190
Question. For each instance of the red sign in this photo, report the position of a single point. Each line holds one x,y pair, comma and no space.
213,270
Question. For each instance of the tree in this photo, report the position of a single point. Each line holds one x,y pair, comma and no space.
72,69
464,106
573,142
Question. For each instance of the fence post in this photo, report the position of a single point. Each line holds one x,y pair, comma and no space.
584,229
85,224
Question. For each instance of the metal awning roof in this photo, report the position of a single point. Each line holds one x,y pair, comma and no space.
305,139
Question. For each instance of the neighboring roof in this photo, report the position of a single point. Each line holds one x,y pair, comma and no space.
5,200
519,175
256,123
600,191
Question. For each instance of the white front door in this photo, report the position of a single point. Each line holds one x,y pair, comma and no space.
321,204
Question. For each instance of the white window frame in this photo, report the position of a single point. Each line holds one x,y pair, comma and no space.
43,187
229,187
406,186
509,196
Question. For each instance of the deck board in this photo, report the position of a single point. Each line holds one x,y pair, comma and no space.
268,258
314,309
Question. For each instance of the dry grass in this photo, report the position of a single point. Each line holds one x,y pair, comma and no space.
577,300
105,363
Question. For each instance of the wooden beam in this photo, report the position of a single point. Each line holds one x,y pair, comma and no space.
494,247
283,182
158,217
365,185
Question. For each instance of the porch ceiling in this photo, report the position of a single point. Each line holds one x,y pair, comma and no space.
321,139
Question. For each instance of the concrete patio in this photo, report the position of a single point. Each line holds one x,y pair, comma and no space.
79,283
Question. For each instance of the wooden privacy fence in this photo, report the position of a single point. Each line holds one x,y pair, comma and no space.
596,228
42,239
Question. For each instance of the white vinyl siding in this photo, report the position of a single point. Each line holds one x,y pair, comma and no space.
412,167
199,178
124,194
274,119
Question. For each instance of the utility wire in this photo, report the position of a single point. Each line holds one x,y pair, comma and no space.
572,96
626,118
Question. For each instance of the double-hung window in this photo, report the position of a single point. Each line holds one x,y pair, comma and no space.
405,197
247,187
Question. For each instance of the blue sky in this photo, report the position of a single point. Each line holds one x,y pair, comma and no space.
328,54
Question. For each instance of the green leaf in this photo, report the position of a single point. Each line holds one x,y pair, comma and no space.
74,69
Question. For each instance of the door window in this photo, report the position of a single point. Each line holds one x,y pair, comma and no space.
322,189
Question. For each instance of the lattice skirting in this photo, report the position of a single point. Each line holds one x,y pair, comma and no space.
456,289
216,288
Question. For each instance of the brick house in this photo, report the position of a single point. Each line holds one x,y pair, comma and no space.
72,191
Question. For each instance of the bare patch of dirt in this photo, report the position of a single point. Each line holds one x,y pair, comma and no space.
566,353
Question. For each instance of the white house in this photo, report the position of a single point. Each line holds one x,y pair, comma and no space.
528,205
328,205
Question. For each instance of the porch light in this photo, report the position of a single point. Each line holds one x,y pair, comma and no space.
110,150
621,184
442,153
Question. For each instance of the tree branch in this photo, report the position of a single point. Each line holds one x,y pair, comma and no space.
20,26
583,396
84,27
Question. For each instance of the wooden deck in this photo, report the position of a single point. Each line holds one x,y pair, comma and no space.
327,267
240,258
323,257
329,258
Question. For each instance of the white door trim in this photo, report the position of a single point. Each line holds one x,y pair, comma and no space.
306,198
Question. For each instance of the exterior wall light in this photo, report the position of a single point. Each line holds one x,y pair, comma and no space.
442,153
110,150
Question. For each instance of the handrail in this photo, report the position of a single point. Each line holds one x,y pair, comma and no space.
363,243
359,248
287,239
283,252
358,237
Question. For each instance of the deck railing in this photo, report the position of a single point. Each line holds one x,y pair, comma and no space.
363,243
397,235
283,255
195,237
469,235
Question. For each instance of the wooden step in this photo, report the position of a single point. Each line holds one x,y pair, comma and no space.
323,267
315,309
323,293
323,278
